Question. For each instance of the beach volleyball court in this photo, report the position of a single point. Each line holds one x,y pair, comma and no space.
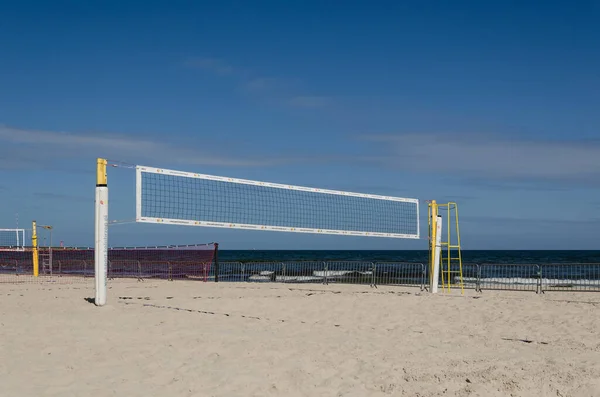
187,338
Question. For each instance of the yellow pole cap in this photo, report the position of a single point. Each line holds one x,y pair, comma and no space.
101,179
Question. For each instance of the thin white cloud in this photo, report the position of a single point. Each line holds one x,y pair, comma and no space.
21,148
484,156
282,90
214,65
310,101
267,84
526,221
61,197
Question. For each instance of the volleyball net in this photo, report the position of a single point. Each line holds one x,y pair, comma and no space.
192,199
164,196
12,239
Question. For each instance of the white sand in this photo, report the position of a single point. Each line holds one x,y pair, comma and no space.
306,340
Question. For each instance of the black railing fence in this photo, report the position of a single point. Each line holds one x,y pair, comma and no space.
479,277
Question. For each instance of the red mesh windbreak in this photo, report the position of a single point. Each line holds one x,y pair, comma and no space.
172,262
192,262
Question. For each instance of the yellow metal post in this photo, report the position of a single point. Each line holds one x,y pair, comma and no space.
433,213
34,251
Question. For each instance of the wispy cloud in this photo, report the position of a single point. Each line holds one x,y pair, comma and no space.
285,90
268,84
456,197
22,148
61,197
213,65
523,184
526,221
484,157
310,101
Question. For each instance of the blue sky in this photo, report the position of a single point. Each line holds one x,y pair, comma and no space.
493,105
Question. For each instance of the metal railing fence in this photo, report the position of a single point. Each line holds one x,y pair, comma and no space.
512,277
570,277
533,277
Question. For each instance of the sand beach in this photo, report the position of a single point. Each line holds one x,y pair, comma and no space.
190,338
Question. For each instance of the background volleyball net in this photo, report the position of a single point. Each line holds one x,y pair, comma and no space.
12,239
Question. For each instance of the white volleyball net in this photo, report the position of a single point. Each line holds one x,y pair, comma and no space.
12,239
185,198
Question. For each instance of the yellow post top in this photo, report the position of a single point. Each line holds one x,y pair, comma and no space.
101,179
434,210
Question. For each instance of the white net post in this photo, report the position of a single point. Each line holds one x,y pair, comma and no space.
101,235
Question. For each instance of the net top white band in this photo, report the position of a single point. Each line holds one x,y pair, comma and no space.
273,185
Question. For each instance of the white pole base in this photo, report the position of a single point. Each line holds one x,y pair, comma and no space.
437,256
101,249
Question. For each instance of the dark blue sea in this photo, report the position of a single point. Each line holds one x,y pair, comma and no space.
528,270
471,256
525,269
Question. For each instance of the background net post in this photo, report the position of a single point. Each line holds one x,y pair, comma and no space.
216,262
34,250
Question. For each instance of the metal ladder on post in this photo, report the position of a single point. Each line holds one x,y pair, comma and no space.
45,255
452,258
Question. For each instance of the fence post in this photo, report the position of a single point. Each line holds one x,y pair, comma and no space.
423,276
216,262
478,278
283,272
325,270
140,278
243,266
540,288
373,270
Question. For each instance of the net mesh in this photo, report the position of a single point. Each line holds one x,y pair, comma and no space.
12,239
177,197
